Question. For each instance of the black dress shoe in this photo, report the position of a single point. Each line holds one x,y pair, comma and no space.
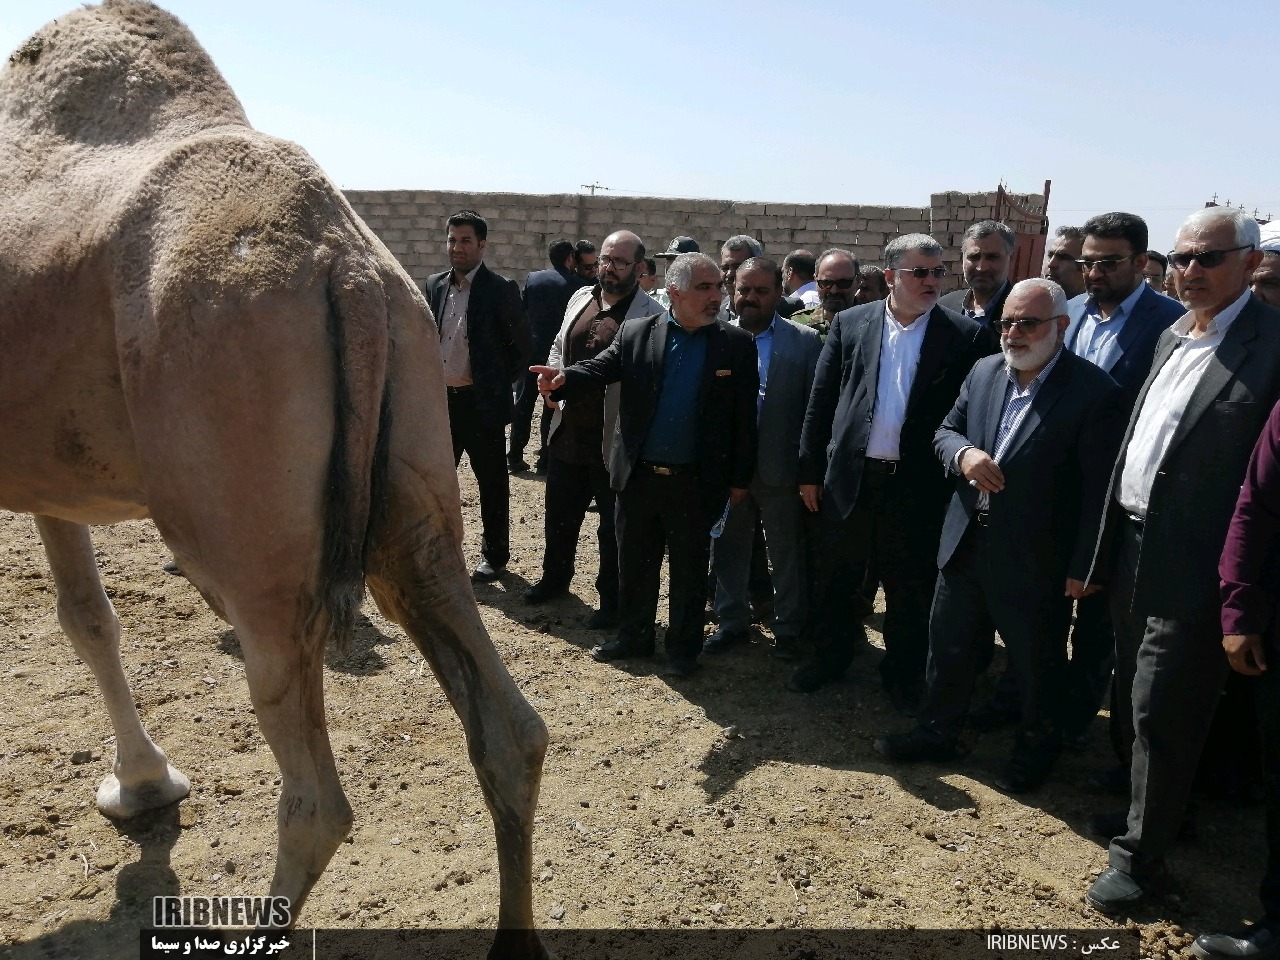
1115,823
809,677
517,465
486,572
542,591
994,715
905,698
785,648
1027,769
680,667
602,619
917,744
1259,942
1116,892
722,641
623,648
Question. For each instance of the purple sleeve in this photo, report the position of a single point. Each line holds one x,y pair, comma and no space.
1253,538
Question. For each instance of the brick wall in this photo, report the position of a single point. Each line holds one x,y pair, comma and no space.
412,224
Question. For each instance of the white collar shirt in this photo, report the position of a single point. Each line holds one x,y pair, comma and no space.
899,358
455,347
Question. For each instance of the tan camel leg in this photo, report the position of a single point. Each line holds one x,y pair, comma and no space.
142,778
431,598
286,684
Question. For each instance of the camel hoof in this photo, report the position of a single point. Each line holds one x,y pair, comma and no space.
120,803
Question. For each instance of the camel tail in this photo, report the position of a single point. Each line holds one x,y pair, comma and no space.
355,488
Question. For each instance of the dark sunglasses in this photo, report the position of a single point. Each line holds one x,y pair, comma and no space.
1023,326
1209,259
921,272
842,284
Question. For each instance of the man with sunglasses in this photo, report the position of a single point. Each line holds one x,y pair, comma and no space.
1213,382
836,279
1115,326
1061,261
986,253
1029,442
888,373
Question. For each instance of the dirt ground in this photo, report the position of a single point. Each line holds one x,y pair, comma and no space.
721,800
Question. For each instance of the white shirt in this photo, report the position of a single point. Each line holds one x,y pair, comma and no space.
455,349
899,357
1165,403
809,294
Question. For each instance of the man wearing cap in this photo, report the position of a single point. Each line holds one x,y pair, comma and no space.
684,449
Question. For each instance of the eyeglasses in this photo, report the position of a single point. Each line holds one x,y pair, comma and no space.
1023,326
921,272
1056,255
1106,266
1208,259
615,263
844,283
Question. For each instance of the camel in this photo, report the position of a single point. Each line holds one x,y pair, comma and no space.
196,327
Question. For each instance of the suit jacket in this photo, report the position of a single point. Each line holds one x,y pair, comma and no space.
791,367
955,301
1196,485
546,296
497,337
726,401
642,305
1153,314
1046,519
837,423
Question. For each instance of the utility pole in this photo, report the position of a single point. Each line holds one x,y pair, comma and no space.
593,187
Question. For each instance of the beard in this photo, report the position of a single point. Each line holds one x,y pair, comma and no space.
618,287
1035,356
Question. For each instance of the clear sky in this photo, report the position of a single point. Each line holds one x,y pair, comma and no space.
1151,108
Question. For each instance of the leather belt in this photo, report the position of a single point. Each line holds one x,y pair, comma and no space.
457,390
1136,520
665,469
886,467
983,518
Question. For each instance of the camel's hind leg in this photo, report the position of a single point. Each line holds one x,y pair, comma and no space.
142,778
418,578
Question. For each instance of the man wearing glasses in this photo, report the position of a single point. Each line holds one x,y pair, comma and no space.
836,278
1116,327
888,373
1030,443
1213,382
985,255
1061,261
582,430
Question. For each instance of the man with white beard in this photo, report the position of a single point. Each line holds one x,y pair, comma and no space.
1030,441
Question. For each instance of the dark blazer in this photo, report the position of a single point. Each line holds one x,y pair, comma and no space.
1046,519
726,402
837,422
1196,485
792,362
955,301
497,334
1153,314
546,297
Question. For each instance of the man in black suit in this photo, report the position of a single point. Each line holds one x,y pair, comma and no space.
888,373
1213,382
484,343
684,449
1030,442
546,295
985,253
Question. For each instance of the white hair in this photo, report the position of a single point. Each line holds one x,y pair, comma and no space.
680,273
1246,228
1055,292
743,242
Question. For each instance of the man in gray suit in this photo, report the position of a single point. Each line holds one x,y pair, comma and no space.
1213,382
787,354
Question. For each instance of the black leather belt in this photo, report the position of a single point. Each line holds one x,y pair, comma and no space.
983,518
456,390
886,467
664,469
1136,520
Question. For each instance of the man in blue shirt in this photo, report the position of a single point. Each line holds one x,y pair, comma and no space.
684,448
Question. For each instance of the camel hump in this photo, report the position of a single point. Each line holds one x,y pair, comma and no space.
121,72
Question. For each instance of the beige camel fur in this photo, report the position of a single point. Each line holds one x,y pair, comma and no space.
195,327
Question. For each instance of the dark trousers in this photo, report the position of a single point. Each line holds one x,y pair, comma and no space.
654,511
1268,705
1093,654
482,439
977,592
527,400
570,488
1175,671
891,522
